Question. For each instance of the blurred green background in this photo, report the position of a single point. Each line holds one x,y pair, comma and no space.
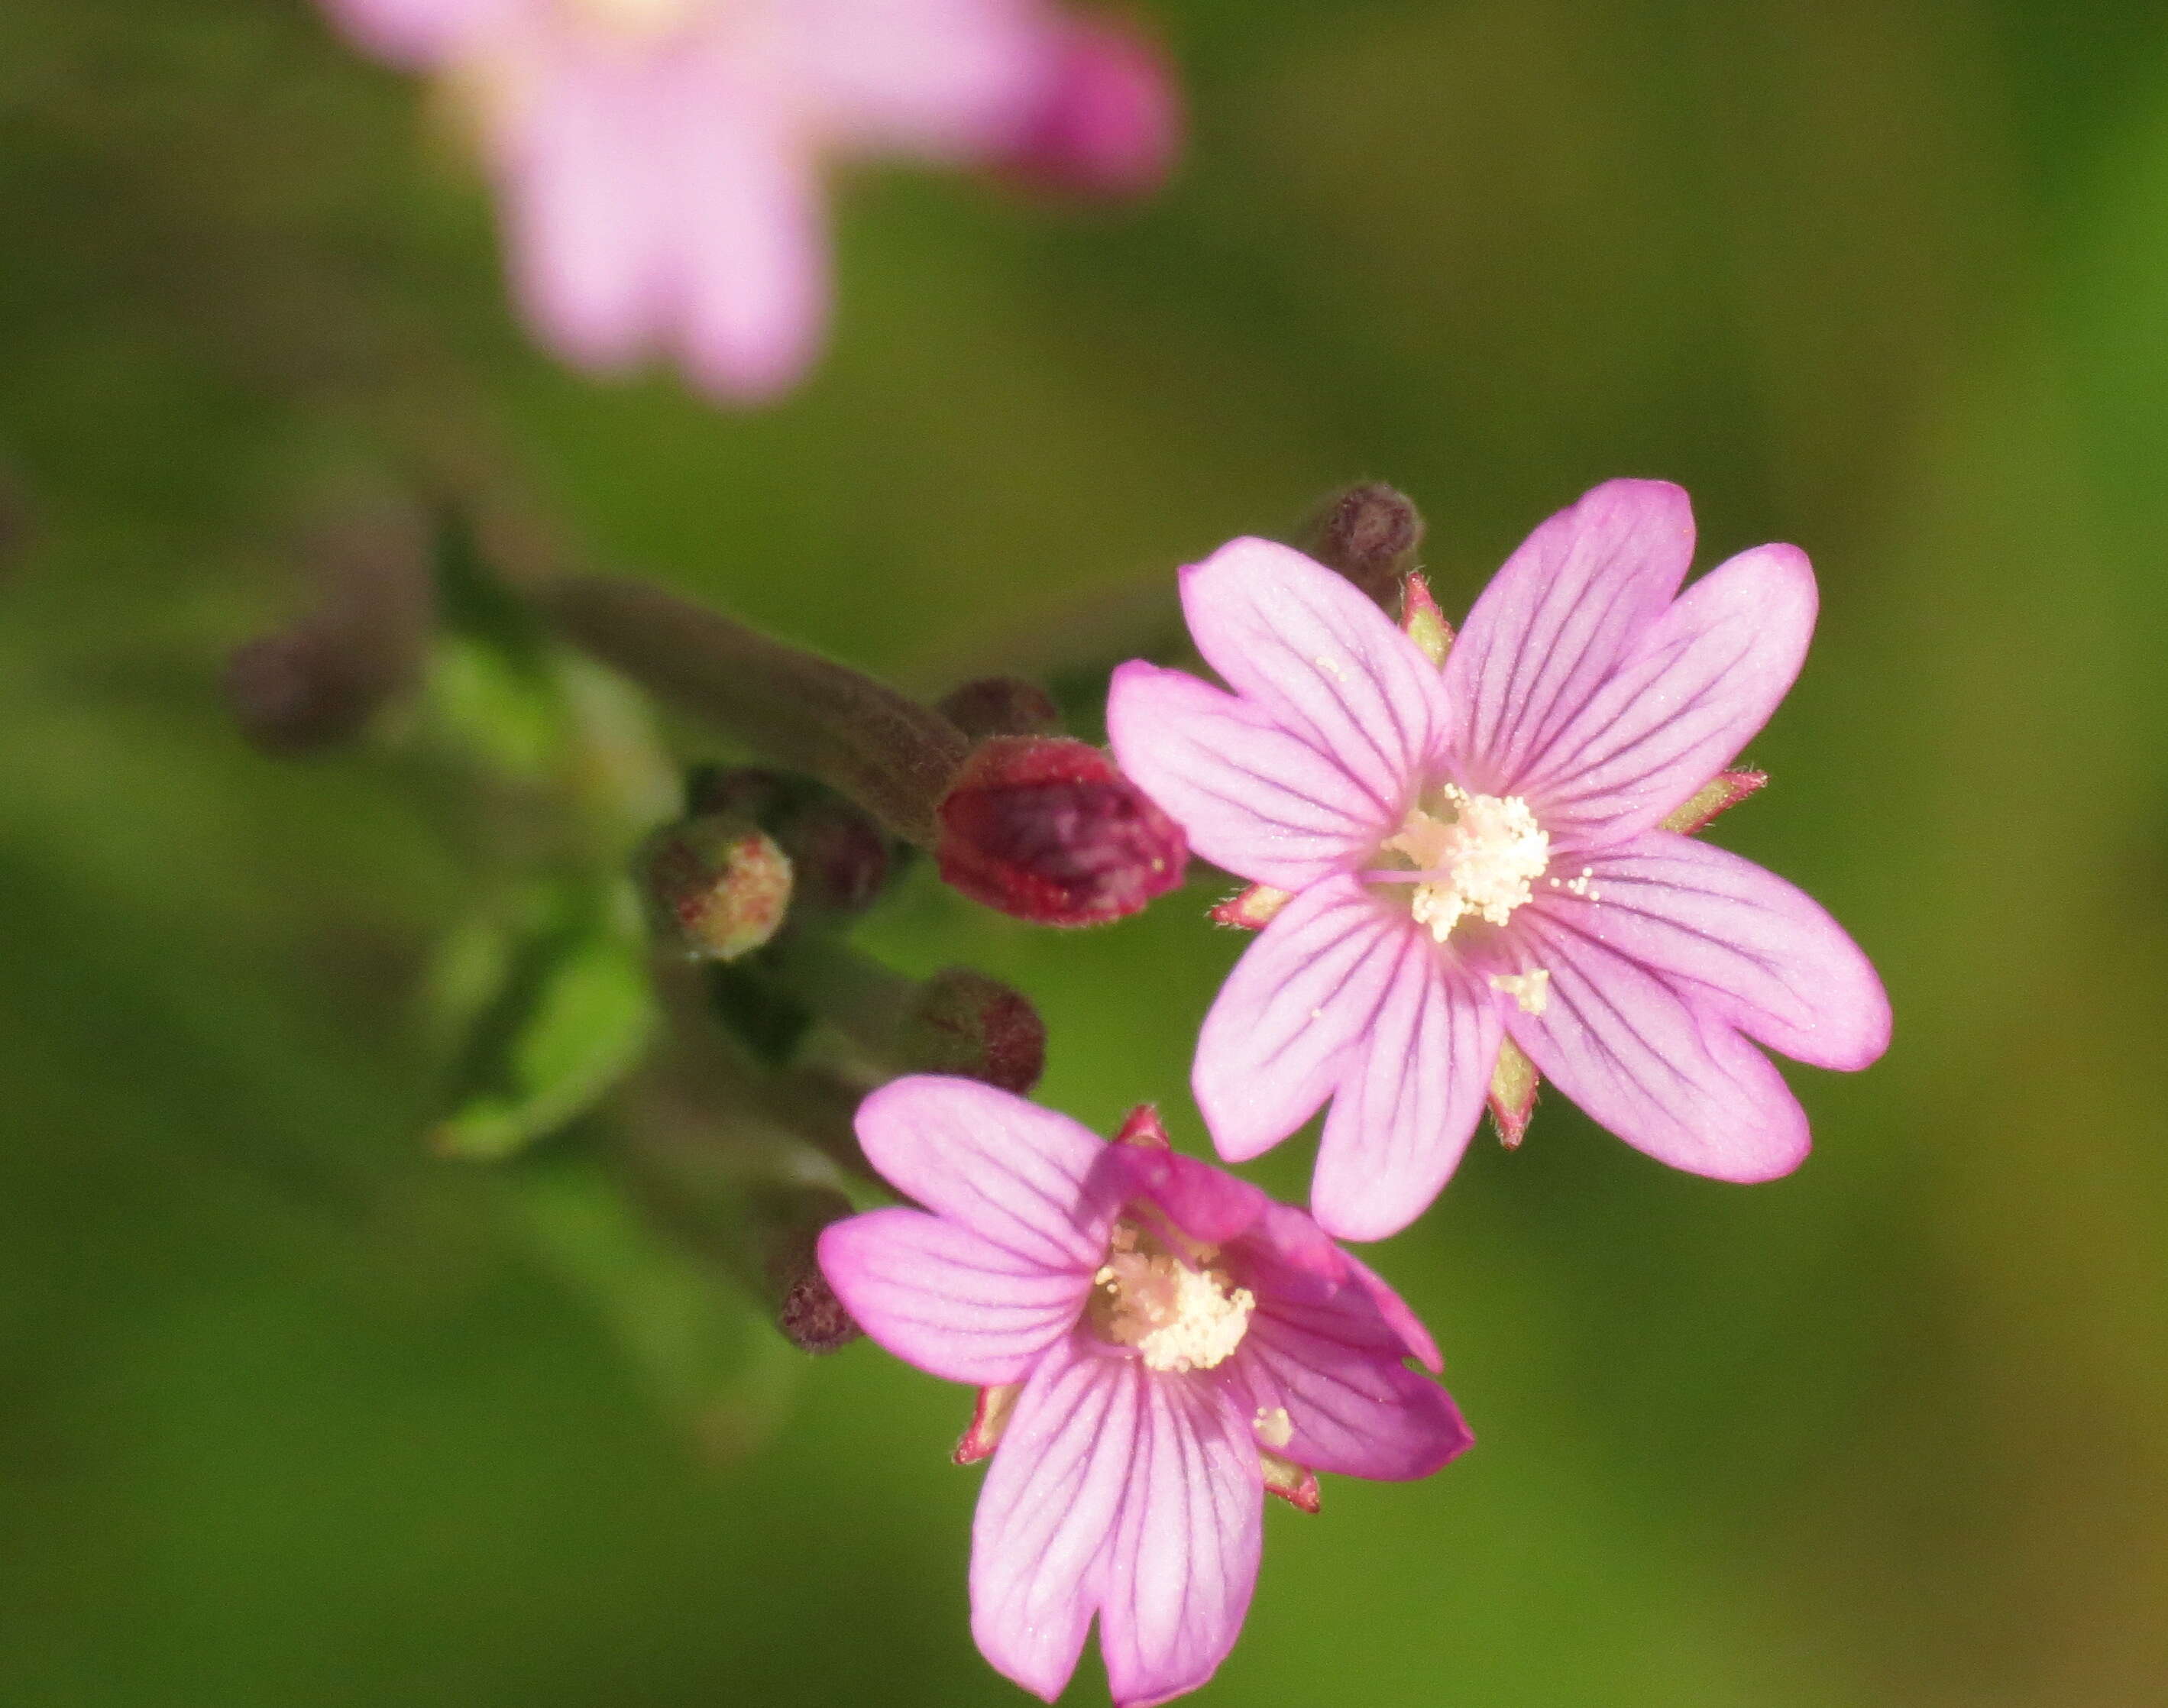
292,1415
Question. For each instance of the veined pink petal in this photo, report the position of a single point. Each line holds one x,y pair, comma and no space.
1279,1034
1409,1098
941,1298
1695,688
1737,940
1666,1076
1206,1203
1313,1281
1323,662
749,244
1184,1559
422,32
576,140
1350,1408
1556,620
1010,1171
1250,796
1047,1514
943,79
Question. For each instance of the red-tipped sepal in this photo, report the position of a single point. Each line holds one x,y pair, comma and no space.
989,1416
1719,794
1513,1097
1250,911
1422,621
1295,1484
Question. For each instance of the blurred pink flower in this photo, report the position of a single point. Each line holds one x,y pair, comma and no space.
1474,853
660,161
1158,1343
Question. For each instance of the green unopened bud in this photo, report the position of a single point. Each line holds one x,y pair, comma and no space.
717,886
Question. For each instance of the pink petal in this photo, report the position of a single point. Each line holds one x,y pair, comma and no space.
1398,1316
1736,940
1018,1176
577,148
1666,1076
1409,1098
1701,681
420,32
1317,657
1351,1409
1294,1265
1278,1035
943,79
1184,1559
750,243
1108,122
1206,1203
1252,797
1555,621
1047,1514
941,1298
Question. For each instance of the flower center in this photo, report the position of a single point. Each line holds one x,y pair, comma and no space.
1178,1317
1479,854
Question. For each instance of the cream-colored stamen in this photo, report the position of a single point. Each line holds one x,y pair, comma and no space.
1480,861
1531,990
1179,1318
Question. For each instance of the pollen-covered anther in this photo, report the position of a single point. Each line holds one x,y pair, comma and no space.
1481,860
1178,1317
1531,990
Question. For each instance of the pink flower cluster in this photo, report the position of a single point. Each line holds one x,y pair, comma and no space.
1455,845
661,162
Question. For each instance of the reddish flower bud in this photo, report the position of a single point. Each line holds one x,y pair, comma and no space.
1370,533
1001,705
1109,124
716,886
839,856
964,1022
807,1312
1046,829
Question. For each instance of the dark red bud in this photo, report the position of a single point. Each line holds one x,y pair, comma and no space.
1001,705
807,1312
964,1022
1370,533
1047,829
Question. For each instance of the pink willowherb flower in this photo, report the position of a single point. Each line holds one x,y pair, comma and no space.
1157,1343
1475,855
661,160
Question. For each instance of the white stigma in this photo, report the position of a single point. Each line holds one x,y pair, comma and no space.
1178,1318
1480,861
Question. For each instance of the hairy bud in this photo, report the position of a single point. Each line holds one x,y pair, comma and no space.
717,886
1001,705
1109,124
964,1022
1047,829
840,858
807,1312
1370,533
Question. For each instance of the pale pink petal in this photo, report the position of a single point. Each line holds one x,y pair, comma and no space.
1313,1281
943,79
1206,1203
1318,658
1701,681
1184,1559
1251,797
1557,619
1011,1172
576,147
1409,1098
1666,1076
421,33
1047,1514
1351,1409
749,243
1737,940
941,1298
1279,1034
1399,1317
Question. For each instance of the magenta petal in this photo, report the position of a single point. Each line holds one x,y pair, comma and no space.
750,243
1206,1203
1409,1097
1184,1559
1011,1172
1695,689
939,1297
1047,1514
1352,1408
1317,657
1309,1280
587,224
1278,1035
1666,1076
1555,621
1256,798
1737,941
